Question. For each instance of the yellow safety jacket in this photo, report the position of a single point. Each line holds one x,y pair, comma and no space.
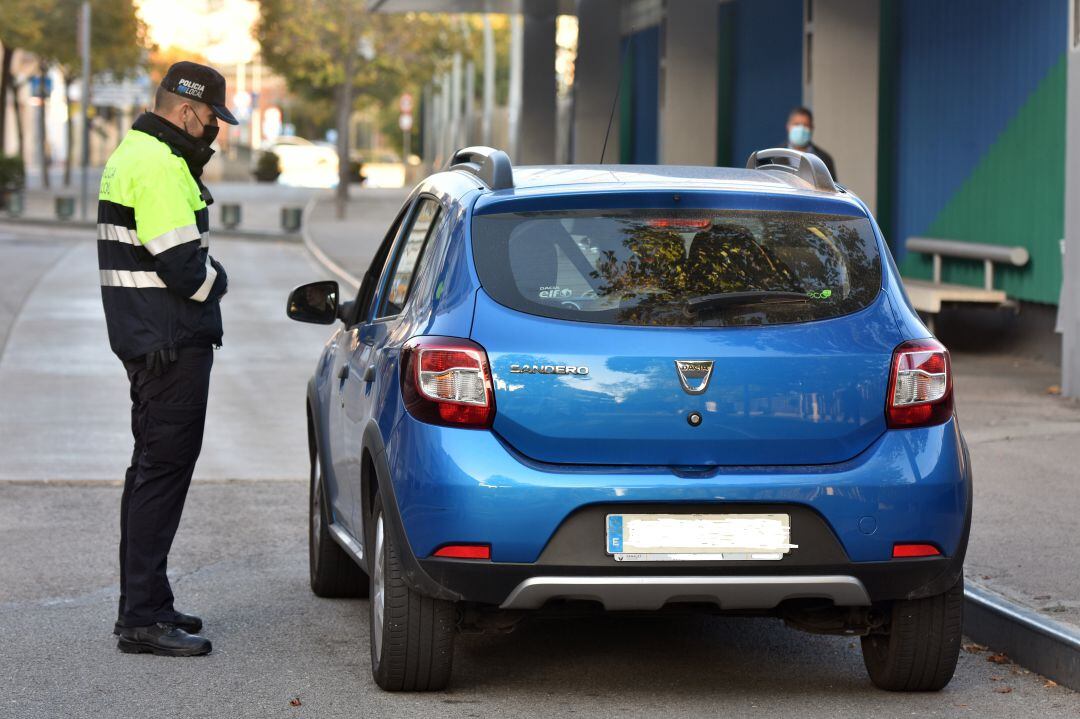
159,285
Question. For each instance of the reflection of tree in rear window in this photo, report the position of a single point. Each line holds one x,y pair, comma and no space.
693,268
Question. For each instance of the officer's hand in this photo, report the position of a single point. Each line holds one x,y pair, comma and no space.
223,277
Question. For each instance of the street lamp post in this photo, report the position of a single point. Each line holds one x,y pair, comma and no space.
84,181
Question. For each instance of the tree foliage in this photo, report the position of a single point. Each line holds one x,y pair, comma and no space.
22,22
50,30
307,41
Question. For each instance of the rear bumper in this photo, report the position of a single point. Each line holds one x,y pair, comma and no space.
521,586
544,524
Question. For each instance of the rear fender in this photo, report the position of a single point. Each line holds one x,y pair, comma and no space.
377,477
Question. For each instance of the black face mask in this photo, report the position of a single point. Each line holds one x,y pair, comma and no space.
209,132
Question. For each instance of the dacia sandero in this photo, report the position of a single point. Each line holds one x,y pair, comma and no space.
636,388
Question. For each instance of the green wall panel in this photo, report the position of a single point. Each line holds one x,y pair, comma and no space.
1015,196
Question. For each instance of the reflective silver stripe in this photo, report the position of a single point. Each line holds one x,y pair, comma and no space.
126,278
117,233
204,240
172,238
204,290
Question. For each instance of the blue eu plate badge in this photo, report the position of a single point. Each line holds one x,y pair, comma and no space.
614,533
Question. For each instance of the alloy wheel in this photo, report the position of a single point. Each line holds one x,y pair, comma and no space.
378,588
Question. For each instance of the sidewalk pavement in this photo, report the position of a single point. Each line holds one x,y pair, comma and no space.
352,242
260,203
1024,441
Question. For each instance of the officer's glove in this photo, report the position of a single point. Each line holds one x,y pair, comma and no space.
222,280
157,363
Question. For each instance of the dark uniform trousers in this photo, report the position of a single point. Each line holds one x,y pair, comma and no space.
168,413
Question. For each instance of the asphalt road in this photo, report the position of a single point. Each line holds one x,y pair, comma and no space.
240,557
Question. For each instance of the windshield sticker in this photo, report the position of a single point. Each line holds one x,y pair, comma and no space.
555,292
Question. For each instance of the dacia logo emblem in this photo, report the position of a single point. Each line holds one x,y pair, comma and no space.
694,374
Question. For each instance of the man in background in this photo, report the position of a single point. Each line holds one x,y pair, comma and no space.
800,132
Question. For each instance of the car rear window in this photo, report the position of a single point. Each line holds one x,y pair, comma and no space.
700,268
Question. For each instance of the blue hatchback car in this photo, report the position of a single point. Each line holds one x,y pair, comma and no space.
636,387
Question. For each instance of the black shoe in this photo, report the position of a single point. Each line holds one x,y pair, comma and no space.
188,622
163,639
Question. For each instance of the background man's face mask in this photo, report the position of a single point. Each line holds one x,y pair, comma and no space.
799,135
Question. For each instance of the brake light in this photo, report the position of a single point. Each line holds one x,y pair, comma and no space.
683,224
920,385
465,551
447,381
900,551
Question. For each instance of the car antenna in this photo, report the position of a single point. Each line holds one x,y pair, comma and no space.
618,84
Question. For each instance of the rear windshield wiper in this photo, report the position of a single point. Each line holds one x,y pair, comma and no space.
750,297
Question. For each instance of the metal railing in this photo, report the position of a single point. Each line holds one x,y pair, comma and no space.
987,253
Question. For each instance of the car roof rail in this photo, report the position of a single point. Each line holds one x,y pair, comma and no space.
490,166
804,165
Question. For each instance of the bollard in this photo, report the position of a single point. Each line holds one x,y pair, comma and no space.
230,216
65,207
291,218
15,204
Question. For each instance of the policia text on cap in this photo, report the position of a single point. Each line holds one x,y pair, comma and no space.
161,291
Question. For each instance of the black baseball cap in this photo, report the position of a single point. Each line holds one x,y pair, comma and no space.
199,82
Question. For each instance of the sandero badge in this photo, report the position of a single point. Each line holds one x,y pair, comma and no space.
547,369
694,375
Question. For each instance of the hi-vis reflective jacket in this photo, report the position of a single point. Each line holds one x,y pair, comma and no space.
159,285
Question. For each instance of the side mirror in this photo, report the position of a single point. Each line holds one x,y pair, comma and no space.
315,302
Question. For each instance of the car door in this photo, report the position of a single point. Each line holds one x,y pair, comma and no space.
338,484
368,340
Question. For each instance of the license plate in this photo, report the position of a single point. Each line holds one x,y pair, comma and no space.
697,537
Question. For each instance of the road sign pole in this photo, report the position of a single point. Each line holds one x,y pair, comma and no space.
84,182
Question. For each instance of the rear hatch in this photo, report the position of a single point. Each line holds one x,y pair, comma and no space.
684,338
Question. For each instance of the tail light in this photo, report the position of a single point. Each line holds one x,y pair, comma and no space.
447,381
920,385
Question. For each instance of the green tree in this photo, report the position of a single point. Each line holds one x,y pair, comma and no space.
117,47
24,33
335,49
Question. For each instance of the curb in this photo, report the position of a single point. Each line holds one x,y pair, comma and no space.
1030,639
321,257
216,234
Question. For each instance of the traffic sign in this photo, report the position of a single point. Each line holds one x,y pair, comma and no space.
405,121
405,104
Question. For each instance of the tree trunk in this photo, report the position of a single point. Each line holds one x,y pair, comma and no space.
43,145
5,82
20,135
70,130
344,113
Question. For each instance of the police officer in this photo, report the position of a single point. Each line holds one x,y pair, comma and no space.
161,291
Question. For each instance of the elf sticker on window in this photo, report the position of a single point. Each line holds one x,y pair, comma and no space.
555,292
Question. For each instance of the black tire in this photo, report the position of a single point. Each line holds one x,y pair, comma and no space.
920,650
333,572
412,635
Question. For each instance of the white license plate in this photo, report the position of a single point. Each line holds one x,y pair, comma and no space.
697,537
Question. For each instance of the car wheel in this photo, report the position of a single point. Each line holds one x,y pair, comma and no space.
412,635
922,644
333,572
